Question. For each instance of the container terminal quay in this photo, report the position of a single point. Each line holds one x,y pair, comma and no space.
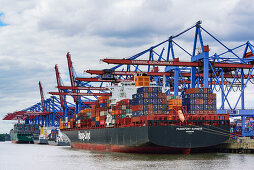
168,98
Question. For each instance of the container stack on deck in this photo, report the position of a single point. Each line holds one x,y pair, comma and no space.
174,102
26,128
149,100
99,111
199,101
82,117
122,111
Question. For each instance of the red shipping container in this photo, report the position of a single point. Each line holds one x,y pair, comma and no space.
135,119
102,117
127,121
102,122
164,101
150,89
145,95
127,101
163,95
135,108
159,95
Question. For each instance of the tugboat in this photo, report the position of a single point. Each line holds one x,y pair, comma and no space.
40,137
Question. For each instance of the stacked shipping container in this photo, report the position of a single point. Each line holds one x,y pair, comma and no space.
100,110
142,80
174,101
26,128
149,100
122,111
199,101
81,118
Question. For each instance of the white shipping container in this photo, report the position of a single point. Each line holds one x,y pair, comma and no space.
102,113
129,115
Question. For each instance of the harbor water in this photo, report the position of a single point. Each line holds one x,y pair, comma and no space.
41,157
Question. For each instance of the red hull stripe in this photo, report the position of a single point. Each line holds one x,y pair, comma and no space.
128,149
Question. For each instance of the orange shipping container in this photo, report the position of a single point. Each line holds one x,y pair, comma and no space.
142,81
97,118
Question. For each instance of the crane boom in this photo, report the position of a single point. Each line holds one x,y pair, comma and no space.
71,74
58,79
175,63
80,94
170,74
42,97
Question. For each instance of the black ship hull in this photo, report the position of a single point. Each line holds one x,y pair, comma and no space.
149,139
22,138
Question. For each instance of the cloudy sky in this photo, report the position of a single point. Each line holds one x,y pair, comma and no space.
36,34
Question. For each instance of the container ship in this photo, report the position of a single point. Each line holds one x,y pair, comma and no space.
23,133
140,117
